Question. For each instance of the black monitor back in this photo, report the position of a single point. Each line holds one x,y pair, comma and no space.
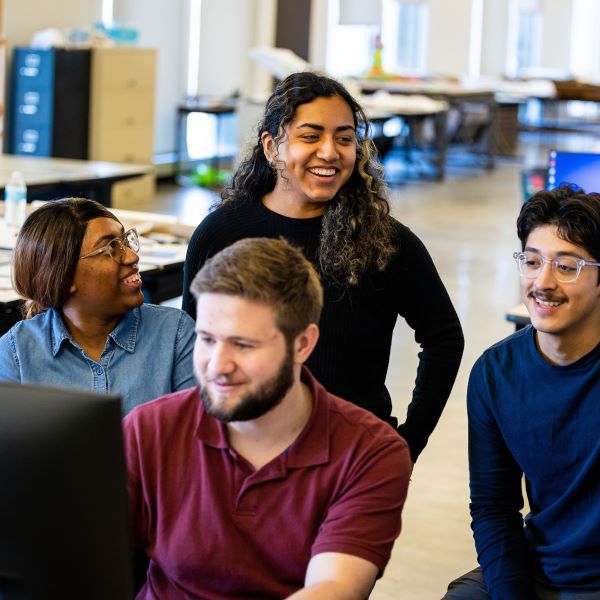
64,530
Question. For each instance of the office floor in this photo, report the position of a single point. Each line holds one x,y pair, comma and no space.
468,224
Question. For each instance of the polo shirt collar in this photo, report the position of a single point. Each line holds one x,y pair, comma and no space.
310,448
211,431
123,335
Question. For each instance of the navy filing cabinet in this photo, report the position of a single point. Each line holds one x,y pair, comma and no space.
49,102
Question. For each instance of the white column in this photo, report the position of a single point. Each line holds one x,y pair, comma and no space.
494,37
585,42
556,34
449,36
317,45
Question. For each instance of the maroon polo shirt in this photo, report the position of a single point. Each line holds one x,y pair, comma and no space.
214,527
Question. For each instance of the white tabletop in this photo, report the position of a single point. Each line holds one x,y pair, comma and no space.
434,86
41,171
400,104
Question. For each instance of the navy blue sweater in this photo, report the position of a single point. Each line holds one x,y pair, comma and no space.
529,417
352,355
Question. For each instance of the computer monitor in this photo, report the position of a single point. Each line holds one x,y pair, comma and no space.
64,532
578,168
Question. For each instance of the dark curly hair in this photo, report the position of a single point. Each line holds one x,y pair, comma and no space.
575,214
357,231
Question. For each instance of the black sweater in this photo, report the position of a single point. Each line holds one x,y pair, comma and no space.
352,355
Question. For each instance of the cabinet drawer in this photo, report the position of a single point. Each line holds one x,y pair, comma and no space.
124,109
34,67
33,106
32,140
133,191
123,69
133,145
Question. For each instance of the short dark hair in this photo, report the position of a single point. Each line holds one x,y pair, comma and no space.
575,214
48,249
266,270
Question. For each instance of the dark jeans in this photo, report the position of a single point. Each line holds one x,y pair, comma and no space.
472,587
468,587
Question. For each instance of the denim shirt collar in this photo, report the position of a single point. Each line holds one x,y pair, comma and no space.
123,335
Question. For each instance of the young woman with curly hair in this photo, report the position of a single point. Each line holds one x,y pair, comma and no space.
312,178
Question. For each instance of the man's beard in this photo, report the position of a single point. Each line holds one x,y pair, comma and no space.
256,403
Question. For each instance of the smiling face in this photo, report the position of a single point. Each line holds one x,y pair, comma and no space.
242,362
565,314
315,158
103,288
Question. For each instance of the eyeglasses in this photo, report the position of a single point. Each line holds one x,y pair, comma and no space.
117,247
565,269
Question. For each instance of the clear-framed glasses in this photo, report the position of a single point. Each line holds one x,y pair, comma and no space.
117,247
565,269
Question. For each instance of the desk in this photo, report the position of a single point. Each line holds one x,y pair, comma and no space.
414,111
163,246
200,105
461,100
519,316
51,178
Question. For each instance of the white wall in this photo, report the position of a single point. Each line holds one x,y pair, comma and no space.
317,46
556,35
585,43
164,26
22,18
494,37
263,24
449,36
225,37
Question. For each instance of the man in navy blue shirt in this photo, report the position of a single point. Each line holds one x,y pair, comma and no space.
534,411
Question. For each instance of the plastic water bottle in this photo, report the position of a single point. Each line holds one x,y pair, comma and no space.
15,201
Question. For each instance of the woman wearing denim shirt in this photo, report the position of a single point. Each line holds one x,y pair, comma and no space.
86,323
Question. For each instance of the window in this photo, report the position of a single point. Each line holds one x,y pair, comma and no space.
404,34
529,41
107,11
525,21
348,46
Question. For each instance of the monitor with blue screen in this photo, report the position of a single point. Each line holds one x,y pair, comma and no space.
576,168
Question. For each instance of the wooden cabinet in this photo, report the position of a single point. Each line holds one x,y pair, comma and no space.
132,193
95,105
122,105
88,104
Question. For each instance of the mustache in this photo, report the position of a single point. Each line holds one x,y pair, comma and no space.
221,379
545,296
